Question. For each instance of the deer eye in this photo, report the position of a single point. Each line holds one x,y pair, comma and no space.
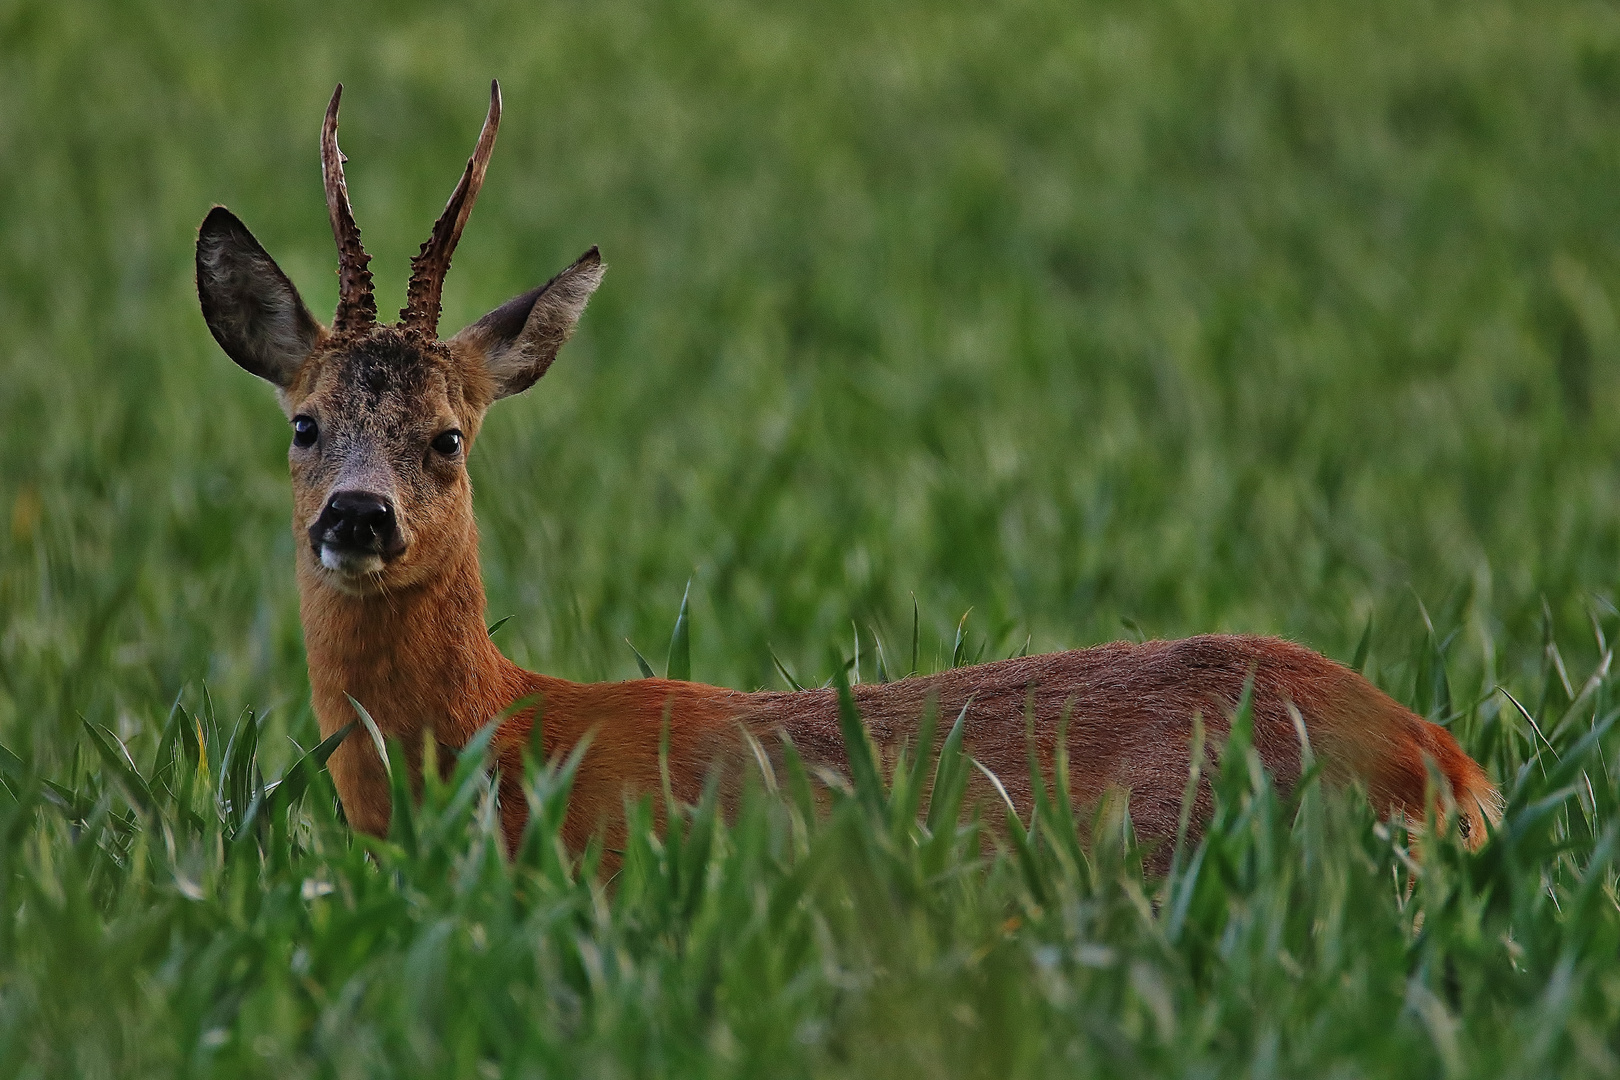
448,443
305,431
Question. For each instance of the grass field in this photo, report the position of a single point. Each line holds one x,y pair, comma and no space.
1089,320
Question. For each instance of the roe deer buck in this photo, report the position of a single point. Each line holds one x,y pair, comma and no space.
392,601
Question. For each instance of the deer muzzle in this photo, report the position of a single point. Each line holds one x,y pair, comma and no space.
356,533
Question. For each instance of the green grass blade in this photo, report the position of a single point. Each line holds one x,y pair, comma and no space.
11,766
296,780
120,763
402,813
1358,663
906,811
915,625
959,649
882,665
950,778
641,661
857,745
783,670
679,664
371,729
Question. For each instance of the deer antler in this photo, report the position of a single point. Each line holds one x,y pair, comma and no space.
421,310
357,307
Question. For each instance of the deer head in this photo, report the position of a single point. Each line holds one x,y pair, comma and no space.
382,416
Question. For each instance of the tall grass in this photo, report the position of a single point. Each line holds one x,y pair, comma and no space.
1095,319
186,917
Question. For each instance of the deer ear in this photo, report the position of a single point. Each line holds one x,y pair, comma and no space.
254,312
516,343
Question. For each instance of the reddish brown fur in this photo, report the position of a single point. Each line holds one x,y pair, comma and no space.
404,633
422,662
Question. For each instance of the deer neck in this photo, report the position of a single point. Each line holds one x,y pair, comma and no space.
418,659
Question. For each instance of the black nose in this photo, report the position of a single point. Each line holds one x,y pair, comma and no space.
356,521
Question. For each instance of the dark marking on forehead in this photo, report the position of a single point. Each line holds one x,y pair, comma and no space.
379,366
387,367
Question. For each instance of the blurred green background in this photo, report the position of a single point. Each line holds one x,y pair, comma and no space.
1268,317
1096,319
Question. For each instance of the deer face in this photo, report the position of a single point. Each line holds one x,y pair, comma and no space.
382,416
380,434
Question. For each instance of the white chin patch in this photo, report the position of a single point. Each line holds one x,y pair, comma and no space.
352,564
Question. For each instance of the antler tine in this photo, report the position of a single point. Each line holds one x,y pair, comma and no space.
357,307
421,310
